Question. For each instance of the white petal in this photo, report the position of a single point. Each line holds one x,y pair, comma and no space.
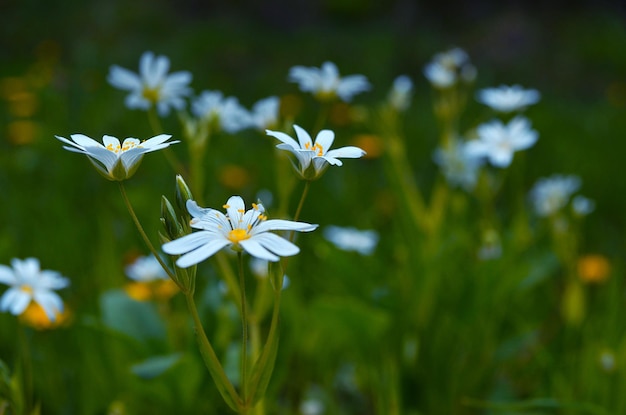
151,142
282,225
284,138
236,208
84,141
187,243
303,137
123,78
325,139
7,276
196,256
501,158
50,302
109,140
15,301
276,244
255,249
350,152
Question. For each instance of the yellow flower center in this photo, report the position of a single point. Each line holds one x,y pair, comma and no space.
125,147
319,150
237,235
151,94
27,289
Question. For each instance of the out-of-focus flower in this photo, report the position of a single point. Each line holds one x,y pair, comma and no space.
593,268
314,157
582,206
371,144
497,142
607,360
240,229
312,406
234,177
149,280
265,113
400,95
224,113
550,194
447,68
35,316
325,82
351,239
28,283
508,98
153,86
113,160
459,166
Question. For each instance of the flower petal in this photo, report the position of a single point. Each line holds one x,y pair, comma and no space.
303,137
15,301
203,252
325,139
284,138
255,249
187,243
7,276
283,225
350,152
50,302
276,244
124,79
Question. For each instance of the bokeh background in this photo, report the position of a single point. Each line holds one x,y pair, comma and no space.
54,59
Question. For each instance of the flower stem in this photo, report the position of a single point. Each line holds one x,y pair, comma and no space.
212,362
144,236
244,324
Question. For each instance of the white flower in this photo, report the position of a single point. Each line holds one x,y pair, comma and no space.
225,112
400,94
314,157
325,82
113,160
446,68
498,142
458,165
265,113
508,98
351,239
551,194
153,85
29,283
145,269
240,229
583,206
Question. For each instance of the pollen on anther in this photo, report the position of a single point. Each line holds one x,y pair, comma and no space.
226,206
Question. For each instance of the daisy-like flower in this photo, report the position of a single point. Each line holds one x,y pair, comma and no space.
29,283
225,113
265,113
351,239
497,142
149,280
447,68
113,160
326,84
239,229
314,157
400,94
152,86
550,194
508,98
458,165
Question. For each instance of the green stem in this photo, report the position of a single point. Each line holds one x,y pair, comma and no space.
305,192
212,362
144,235
244,335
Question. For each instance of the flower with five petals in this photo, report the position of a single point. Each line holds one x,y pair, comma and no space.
241,229
314,157
113,160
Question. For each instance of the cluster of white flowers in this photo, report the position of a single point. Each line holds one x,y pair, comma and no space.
551,194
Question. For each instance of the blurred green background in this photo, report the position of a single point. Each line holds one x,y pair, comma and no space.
54,59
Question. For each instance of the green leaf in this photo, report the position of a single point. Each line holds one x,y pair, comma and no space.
156,365
136,319
263,368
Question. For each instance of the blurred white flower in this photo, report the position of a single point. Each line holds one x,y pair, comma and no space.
400,94
497,142
240,229
312,406
351,239
508,98
152,86
325,82
29,283
225,113
265,113
145,269
113,160
447,68
551,194
314,157
583,206
459,166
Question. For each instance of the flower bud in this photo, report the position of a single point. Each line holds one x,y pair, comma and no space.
171,224
183,194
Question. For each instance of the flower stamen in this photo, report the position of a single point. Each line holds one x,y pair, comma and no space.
237,235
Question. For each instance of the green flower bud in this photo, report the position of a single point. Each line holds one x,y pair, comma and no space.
183,194
169,219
